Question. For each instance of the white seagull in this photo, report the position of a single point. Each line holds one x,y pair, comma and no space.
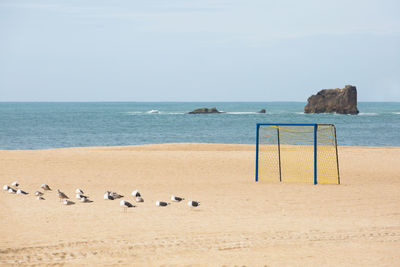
62,196
85,200
79,196
108,196
139,199
192,203
68,202
39,198
176,199
12,190
45,187
15,184
38,193
116,195
162,203
126,205
21,192
79,191
136,193
6,187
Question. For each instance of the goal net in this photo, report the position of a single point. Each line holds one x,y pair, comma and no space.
297,153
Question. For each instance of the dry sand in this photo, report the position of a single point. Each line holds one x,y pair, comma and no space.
239,222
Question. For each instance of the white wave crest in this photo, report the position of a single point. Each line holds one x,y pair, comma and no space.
242,112
367,114
165,113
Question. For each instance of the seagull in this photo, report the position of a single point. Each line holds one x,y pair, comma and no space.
116,195
6,187
136,193
79,196
68,202
62,196
15,184
108,196
192,203
161,203
39,198
21,192
45,187
85,200
79,191
126,205
38,193
12,190
139,199
176,199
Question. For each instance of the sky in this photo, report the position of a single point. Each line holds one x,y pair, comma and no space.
197,50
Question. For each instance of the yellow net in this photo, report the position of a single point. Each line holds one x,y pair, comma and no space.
287,153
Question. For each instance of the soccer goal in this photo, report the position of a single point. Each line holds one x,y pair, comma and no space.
297,153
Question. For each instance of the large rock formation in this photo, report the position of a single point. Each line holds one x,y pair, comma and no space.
343,101
205,111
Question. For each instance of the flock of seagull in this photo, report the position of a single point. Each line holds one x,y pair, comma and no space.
79,194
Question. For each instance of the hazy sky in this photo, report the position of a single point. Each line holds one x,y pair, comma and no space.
197,50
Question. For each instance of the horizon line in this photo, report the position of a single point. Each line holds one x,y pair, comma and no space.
89,101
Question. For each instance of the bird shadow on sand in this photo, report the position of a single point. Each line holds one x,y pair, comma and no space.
196,210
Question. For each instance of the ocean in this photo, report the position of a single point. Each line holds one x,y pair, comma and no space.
36,125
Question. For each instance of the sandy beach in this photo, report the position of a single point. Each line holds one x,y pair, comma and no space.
239,222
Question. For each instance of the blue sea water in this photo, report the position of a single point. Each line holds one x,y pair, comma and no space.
53,125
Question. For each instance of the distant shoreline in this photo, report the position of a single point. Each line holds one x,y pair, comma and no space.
178,146
277,101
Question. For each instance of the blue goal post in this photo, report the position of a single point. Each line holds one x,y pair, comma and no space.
297,152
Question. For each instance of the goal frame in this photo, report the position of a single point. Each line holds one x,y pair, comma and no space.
315,125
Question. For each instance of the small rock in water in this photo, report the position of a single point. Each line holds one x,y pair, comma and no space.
205,111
